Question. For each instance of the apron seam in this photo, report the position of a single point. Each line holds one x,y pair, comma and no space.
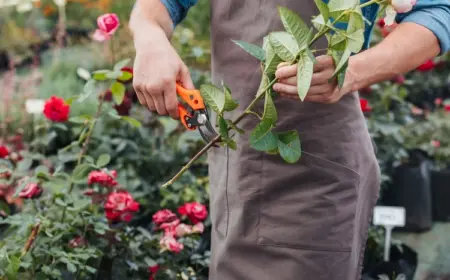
226,190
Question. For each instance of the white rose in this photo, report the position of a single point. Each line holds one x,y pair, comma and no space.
403,6
34,106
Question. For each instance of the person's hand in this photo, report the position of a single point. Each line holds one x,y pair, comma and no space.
322,90
157,68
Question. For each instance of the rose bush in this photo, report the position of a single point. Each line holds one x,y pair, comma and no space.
86,202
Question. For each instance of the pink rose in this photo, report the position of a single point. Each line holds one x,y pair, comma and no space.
198,228
107,26
169,243
183,230
100,36
108,23
32,190
169,228
403,6
196,212
435,143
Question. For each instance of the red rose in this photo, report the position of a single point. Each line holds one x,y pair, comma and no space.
107,96
32,190
153,270
108,23
365,107
103,178
4,152
119,206
164,216
124,108
171,244
77,242
56,109
196,212
427,66
128,70
447,108
381,23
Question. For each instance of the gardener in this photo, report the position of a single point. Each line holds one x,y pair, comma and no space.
272,220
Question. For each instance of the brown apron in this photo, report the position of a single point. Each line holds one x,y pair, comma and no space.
278,221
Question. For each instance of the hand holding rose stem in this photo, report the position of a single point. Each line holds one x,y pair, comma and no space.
260,94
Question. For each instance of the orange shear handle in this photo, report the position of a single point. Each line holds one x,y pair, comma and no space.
192,97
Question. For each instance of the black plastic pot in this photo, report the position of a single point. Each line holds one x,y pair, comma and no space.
411,189
440,185
402,261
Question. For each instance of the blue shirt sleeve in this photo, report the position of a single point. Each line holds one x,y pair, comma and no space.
178,9
434,15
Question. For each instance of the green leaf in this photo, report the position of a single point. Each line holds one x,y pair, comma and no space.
323,9
71,267
262,138
289,146
231,143
113,75
305,68
119,65
13,268
284,45
342,57
125,76
218,100
90,269
355,31
118,92
132,121
88,89
272,59
318,21
340,5
294,25
263,85
270,112
223,127
80,172
100,75
103,160
252,49
230,103
214,97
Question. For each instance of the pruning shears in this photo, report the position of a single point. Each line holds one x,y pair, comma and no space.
195,114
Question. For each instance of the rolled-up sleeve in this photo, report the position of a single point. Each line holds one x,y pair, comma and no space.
178,9
434,15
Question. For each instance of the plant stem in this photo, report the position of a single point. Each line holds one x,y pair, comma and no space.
217,138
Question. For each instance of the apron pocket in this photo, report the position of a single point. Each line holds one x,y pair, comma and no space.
308,205
218,174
